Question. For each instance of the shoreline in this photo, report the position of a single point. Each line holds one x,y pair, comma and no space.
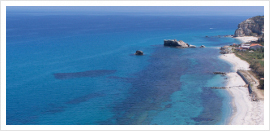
246,39
245,111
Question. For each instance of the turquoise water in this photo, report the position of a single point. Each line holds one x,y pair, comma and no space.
166,86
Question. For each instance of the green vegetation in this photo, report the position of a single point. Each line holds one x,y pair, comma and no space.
261,86
256,61
261,42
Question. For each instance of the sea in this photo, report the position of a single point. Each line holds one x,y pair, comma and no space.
80,69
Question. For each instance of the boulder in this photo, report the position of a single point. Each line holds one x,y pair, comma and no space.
192,46
202,46
175,43
138,52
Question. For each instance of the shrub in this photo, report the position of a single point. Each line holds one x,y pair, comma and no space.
261,86
260,71
260,56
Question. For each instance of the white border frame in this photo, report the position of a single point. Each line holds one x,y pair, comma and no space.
131,3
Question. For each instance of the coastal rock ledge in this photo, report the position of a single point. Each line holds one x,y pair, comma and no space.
251,27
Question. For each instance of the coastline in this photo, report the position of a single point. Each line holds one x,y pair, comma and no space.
245,111
245,39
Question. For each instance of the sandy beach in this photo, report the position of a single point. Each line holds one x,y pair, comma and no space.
235,61
245,111
247,38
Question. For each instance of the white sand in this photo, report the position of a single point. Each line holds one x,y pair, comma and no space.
247,38
236,61
246,112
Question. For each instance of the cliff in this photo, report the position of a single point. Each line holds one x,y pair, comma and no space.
251,27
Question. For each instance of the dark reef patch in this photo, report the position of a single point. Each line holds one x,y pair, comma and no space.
150,88
212,108
54,108
90,73
85,98
168,106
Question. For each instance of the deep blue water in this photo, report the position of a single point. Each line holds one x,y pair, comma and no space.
108,84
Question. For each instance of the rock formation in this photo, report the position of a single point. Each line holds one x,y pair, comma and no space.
175,43
192,46
202,46
251,27
138,52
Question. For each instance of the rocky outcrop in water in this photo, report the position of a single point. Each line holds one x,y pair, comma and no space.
175,43
202,46
138,52
251,27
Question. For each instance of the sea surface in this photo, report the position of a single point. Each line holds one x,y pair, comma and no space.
81,69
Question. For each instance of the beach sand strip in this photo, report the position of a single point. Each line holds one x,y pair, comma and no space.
245,111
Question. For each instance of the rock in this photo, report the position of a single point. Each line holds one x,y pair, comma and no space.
228,36
239,32
222,73
192,46
251,27
175,43
138,52
202,46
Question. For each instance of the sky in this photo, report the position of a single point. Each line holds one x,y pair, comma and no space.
143,10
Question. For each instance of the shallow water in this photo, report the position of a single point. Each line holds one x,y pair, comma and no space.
166,86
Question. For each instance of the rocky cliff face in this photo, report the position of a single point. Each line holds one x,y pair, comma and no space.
251,27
